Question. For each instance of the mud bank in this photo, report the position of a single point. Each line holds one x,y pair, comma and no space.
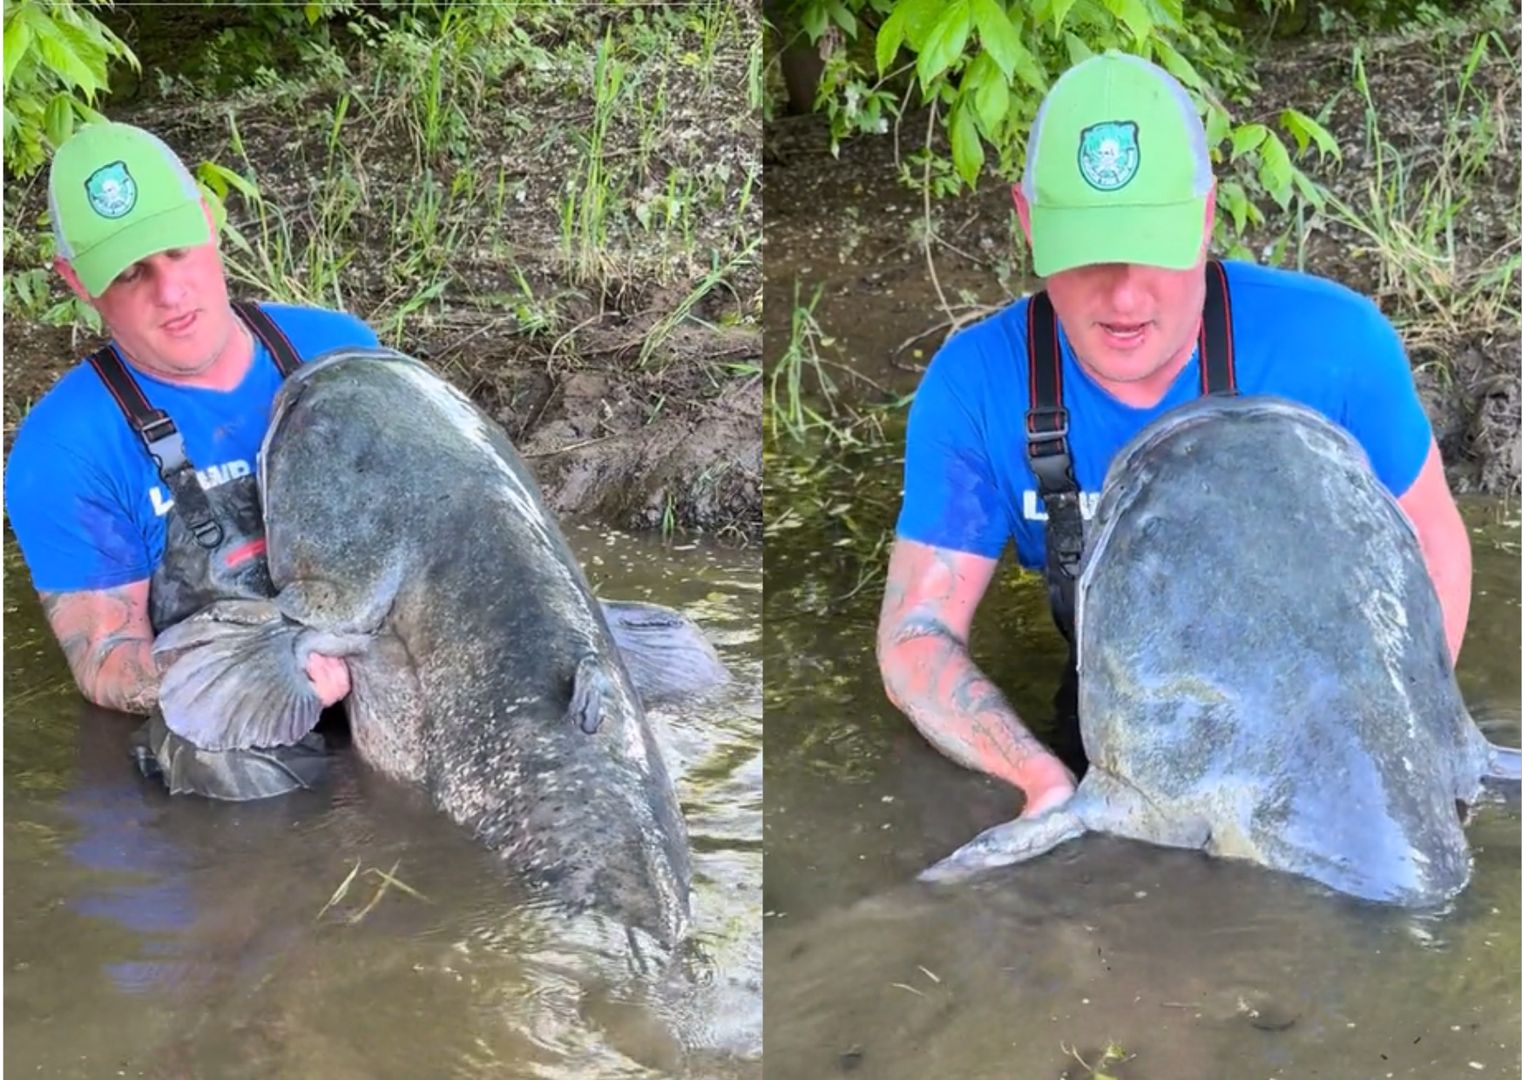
623,358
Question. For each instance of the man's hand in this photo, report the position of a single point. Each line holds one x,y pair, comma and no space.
1047,782
330,677
927,612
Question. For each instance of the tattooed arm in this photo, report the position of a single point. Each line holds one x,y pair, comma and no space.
927,612
107,638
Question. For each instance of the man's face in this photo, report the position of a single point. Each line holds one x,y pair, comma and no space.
1128,322
170,311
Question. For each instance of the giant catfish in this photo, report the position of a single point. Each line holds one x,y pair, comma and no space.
405,533
1263,671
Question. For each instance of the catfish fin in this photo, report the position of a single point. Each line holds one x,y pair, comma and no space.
1014,841
663,650
234,684
590,687
229,775
210,624
1503,763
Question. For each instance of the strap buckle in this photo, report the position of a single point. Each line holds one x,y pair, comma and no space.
168,451
157,428
1059,417
207,533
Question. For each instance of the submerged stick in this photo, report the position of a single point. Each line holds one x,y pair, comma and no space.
342,889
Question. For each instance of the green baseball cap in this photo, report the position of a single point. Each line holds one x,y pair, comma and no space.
1117,169
117,194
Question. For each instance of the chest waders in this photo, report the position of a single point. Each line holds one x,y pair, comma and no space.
1046,447
213,549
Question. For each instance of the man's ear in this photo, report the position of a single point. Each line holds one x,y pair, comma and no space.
1023,210
211,224
66,271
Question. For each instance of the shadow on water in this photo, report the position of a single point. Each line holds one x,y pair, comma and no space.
1188,968
155,936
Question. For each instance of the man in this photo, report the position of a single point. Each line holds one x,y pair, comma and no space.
131,483
1117,201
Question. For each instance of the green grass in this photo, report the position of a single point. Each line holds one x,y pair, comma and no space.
805,401
716,276
428,143
1409,217
584,215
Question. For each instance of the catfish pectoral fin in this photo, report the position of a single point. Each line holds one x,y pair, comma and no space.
1503,763
237,684
591,686
1014,841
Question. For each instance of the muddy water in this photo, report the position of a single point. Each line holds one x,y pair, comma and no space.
149,936
1193,968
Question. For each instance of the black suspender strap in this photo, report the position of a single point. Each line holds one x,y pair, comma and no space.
1046,434
164,443
1218,371
166,446
274,338
1046,431
1046,426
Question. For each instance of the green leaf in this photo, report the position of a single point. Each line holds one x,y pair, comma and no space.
66,64
843,18
18,39
87,114
58,121
22,285
1246,139
313,13
222,178
919,18
1176,65
1217,124
990,93
997,33
966,147
945,43
1174,10
815,21
1309,190
1029,69
889,37
1303,128
1275,172
1233,197
1078,52
1135,16
1060,9
89,47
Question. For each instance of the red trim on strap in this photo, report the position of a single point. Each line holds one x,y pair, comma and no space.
244,552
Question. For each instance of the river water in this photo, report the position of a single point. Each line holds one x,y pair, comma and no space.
1182,966
176,937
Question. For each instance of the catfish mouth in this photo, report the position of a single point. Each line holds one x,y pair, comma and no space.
291,388
295,385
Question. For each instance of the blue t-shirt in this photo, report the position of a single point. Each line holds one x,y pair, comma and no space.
85,500
968,485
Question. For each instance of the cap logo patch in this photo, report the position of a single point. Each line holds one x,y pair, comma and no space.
112,191
1108,154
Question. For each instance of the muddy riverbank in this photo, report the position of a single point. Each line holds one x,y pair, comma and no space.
565,222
